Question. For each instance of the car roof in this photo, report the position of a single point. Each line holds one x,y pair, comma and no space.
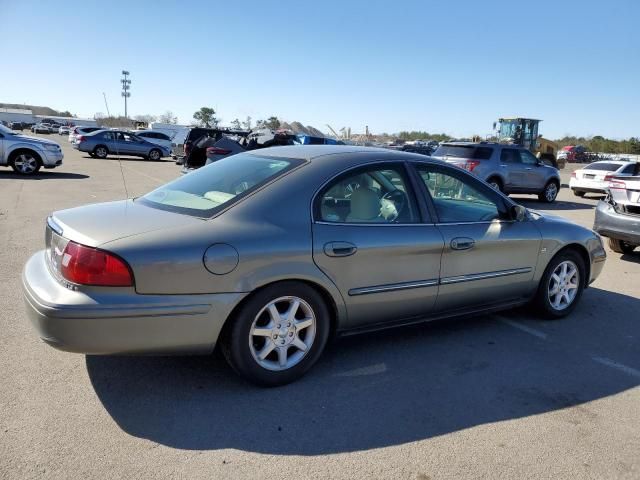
322,153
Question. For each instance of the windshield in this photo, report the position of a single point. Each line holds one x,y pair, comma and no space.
208,190
6,131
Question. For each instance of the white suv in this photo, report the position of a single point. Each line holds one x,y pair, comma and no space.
26,155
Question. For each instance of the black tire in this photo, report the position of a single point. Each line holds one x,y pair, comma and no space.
155,155
236,340
550,192
101,152
542,302
92,155
578,193
496,183
25,162
620,246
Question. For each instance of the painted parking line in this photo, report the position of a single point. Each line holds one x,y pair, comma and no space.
126,167
364,371
523,328
618,366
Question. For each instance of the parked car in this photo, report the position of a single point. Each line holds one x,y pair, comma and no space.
16,126
64,130
26,155
41,128
618,216
574,154
508,168
594,178
158,138
101,143
76,132
270,252
198,139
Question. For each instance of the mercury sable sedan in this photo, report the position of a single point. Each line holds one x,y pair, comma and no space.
269,253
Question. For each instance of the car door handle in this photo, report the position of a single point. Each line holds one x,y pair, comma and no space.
503,165
462,243
528,168
339,249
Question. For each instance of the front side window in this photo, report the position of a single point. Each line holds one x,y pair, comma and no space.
456,198
207,190
370,195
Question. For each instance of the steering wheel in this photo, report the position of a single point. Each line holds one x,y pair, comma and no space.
399,201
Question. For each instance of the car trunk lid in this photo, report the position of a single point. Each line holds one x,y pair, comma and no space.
94,225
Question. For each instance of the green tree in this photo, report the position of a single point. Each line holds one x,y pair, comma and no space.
206,117
273,123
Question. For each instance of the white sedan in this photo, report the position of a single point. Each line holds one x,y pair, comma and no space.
595,177
159,138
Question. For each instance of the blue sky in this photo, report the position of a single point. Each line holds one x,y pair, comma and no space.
448,66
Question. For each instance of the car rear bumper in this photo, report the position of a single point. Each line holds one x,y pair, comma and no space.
612,224
588,186
118,320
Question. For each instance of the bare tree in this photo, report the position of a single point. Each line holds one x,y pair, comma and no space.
247,123
168,117
236,124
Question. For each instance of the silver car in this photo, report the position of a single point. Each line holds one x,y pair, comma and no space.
102,143
269,253
26,155
508,168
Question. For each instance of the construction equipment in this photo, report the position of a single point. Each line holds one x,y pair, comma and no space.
524,132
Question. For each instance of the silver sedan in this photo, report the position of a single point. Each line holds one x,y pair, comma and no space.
268,254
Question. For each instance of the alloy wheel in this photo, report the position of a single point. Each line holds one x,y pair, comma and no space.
282,333
564,285
551,192
26,164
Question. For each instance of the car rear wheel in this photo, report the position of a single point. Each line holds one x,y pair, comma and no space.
578,193
619,246
101,151
278,334
549,193
561,285
155,155
26,163
495,183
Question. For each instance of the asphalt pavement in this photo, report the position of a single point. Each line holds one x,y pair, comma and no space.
495,396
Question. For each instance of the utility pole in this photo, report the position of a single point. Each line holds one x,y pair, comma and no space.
126,84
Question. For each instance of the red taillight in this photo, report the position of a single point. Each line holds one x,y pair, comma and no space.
187,149
80,139
218,151
573,175
89,266
617,185
608,178
470,165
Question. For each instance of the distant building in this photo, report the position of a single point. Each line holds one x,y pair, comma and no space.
24,115
78,122
9,115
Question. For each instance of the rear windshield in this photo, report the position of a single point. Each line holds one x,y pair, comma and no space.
606,166
208,190
463,151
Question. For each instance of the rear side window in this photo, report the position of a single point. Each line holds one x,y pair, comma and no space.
604,166
629,169
464,151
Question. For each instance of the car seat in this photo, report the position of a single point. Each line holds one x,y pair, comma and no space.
365,206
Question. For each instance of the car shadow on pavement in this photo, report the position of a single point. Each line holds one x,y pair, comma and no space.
630,257
387,388
43,175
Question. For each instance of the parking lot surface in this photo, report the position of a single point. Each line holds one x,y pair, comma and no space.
497,396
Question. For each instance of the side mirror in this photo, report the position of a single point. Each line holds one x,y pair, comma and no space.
518,213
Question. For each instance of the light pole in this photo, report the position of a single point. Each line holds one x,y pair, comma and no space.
126,84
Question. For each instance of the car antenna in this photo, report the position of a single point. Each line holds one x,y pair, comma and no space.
124,182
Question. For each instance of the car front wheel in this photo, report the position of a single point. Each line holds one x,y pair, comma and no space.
620,246
278,334
549,193
26,163
561,285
